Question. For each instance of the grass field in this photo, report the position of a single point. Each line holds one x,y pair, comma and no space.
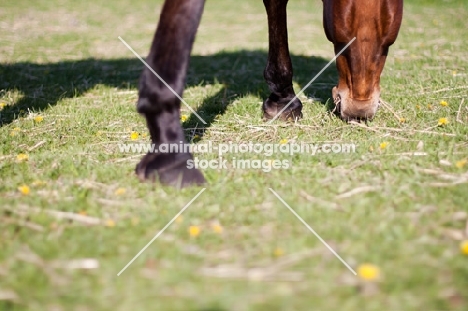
73,214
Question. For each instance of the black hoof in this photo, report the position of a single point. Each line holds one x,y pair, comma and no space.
273,108
170,169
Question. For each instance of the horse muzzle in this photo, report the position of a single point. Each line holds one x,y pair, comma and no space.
351,109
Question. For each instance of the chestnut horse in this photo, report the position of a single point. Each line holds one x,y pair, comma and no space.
374,24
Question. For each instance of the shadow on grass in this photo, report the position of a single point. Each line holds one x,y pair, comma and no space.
241,73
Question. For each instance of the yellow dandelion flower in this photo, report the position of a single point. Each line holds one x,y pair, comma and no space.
22,157
13,133
442,121
120,191
135,221
402,120
183,118
24,190
283,141
383,145
179,219
443,103
38,119
2,105
368,272
218,229
110,223
134,135
429,107
278,252
418,107
194,231
464,247
461,163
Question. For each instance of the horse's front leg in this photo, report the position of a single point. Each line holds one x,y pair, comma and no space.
169,57
278,72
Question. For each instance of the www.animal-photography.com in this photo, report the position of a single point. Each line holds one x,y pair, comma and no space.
234,155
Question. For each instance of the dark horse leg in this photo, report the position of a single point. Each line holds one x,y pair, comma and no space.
278,72
169,57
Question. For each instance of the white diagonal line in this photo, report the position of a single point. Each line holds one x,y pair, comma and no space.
156,74
160,232
313,79
312,230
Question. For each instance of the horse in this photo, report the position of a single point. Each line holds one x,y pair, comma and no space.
371,25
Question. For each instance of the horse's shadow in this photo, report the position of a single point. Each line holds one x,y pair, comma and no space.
241,73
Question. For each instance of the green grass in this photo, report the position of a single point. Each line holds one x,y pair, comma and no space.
61,60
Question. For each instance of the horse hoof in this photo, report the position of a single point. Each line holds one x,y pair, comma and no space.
283,109
170,169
